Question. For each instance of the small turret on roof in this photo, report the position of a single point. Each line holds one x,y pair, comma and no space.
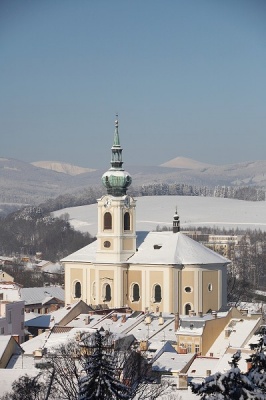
176,222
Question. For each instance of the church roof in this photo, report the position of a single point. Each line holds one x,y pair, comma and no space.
163,248
174,248
85,254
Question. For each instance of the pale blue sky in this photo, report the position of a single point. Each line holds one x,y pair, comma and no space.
187,77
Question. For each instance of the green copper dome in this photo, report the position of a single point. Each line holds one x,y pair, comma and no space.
116,179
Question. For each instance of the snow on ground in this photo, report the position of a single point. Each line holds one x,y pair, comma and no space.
193,211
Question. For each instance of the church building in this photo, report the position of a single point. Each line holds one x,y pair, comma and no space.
156,271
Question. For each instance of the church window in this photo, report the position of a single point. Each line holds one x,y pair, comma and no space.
107,224
187,308
188,289
127,222
157,294
93,290
78,290
107,244
107,292
210,287
135,292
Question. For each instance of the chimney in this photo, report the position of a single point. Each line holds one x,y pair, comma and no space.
114,317
176,321
148,319
87,319
200,314
124,318
214,313
161,320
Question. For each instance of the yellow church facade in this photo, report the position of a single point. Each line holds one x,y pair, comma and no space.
159,271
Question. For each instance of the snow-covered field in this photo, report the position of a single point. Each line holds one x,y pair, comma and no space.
193,211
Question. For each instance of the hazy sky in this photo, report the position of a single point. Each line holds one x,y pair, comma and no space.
187,78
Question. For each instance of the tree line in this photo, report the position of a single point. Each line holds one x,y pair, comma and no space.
30,230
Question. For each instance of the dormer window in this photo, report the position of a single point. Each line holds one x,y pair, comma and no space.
157,246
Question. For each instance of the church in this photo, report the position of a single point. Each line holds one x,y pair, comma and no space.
155,271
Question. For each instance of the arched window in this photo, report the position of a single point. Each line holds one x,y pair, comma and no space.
107,223
107,292
93,290
78,290
187,308
157,294
127,222
135,292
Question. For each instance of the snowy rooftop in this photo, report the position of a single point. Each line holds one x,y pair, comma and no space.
154,329
172,362
51,339
38,294
86,254
201,365
160,248
241,330
174,248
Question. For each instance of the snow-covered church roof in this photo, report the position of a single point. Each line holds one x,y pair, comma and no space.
174,248
163,248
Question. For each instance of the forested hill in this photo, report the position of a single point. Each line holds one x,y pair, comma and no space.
30,230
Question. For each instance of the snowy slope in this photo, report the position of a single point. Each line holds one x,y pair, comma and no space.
193,211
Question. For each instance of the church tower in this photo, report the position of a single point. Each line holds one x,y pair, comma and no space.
116,212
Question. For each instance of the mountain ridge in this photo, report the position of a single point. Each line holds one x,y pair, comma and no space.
23,182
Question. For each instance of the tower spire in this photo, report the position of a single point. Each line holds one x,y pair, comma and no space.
116,160
116,179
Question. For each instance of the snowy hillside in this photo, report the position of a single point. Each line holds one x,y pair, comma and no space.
183,162
62,167
193,211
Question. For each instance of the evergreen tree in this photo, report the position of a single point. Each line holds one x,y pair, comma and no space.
100,380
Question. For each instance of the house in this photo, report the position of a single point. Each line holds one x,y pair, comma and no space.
43,299
12,319
8,347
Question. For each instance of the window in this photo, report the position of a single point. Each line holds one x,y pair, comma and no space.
22,311
135,292
107,292
9,317
187,308
127,222
1,296
210,287
107,244
77,290
157,294
2,331
188,289
107,223
93,290
189,348
22,325
197,348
